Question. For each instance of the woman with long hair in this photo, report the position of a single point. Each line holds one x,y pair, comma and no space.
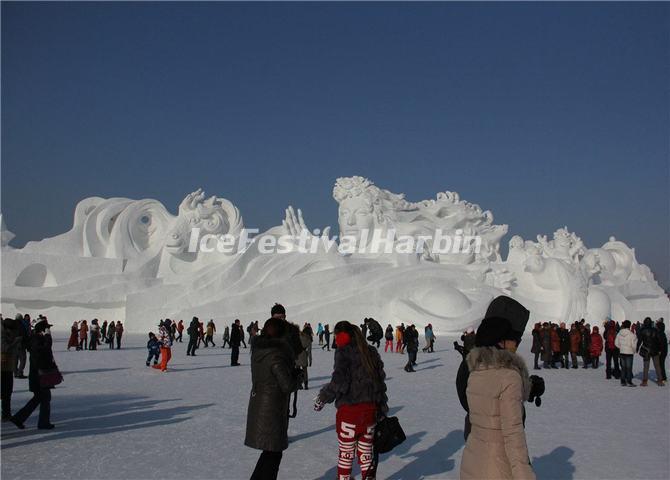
358,389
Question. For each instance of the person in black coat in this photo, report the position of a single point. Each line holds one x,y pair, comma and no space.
326,334
273,381
376,332
41,358
236,333
649,348
411,338
193,335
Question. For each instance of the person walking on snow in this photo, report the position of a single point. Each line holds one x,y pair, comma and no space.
358,388
411,337
326,334
235,338
272,382
389,338
180,331
319,333
154,348
211,330
226,337
119,334
166,348
193,333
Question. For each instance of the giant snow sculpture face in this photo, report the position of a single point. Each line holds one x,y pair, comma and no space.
355,215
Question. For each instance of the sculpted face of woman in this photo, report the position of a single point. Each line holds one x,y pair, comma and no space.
355,215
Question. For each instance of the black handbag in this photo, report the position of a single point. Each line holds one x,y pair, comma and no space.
388,435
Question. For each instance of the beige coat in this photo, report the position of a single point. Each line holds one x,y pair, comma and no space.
497,388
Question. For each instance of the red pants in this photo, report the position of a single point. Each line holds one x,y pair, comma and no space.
166,355
355,430
398,347
389,343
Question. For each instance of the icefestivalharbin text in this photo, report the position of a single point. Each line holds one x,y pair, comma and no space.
381,241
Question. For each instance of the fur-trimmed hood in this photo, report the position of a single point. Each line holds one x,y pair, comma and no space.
484,358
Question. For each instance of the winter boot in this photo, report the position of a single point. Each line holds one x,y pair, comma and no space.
147,364
644,383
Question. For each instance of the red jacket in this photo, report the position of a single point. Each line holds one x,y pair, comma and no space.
596,343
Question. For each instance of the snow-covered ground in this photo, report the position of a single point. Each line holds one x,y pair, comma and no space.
115,418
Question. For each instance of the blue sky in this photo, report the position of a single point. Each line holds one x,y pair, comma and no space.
548,114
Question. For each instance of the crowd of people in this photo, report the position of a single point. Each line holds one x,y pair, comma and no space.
85,337
558,347
281,354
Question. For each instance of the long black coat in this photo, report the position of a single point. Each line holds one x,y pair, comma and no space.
411,338
41,357
272,383
236,335
648,337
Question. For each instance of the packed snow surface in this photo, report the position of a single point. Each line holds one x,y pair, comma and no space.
116,418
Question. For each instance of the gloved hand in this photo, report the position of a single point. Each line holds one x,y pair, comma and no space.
318,404
536,389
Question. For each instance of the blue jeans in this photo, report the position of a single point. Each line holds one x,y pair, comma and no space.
626,368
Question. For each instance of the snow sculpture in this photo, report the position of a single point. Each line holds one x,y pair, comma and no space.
132,260
364,206
561,280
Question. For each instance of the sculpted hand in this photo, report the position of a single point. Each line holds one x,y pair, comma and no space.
294,225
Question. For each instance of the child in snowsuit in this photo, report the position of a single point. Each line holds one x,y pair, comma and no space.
154,348
165,343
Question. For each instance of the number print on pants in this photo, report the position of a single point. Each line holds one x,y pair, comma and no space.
348,430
